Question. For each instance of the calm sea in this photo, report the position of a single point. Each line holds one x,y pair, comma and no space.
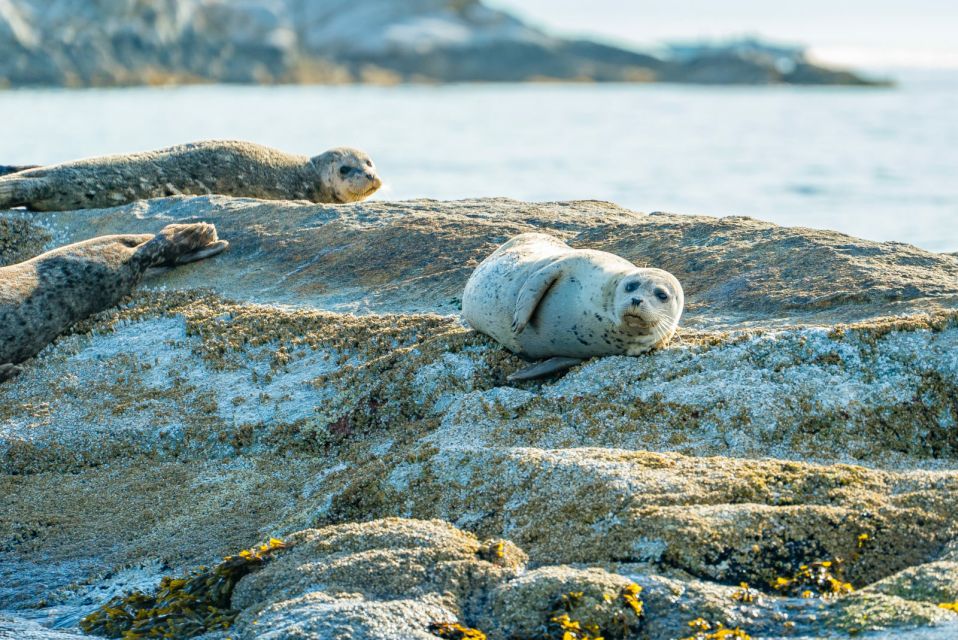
876,163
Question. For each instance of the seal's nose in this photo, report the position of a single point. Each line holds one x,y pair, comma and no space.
637,302
372,177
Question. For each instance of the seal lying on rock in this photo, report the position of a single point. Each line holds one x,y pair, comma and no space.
224,167
42,297
540,298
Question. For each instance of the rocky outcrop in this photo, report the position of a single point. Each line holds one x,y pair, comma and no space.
314,383
125,42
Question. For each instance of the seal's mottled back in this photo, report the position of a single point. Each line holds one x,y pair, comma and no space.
230,168
42,297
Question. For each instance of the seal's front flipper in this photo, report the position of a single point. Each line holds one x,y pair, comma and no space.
545,368
531,294
8,371
200,254
210,250
178,244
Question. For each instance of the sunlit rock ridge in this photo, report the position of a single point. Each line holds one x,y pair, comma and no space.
134,42
316,385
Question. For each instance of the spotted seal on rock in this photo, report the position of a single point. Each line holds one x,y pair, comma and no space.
43,297
540,298
223,167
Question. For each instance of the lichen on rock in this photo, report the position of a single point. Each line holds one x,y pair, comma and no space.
315,383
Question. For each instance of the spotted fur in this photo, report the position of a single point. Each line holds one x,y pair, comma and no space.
231,168
43,297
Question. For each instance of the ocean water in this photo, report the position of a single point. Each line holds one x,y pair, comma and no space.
876,163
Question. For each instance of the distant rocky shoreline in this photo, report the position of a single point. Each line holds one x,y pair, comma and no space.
159,42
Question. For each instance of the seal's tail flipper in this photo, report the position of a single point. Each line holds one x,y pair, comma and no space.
180,244
545,368
6,169
208,251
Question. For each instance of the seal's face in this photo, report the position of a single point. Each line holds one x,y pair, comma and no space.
649,302
350,174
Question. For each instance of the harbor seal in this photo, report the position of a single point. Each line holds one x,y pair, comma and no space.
540,298
43,297
200,168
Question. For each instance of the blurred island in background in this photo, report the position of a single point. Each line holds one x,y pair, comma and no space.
158,42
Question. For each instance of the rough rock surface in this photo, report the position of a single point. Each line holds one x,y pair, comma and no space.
121,42
316,379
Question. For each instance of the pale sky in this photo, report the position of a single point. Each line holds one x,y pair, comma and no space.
859,32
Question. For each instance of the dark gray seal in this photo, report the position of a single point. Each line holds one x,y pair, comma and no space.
227,168
41,298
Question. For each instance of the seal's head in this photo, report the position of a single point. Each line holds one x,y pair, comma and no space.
649,303
347,174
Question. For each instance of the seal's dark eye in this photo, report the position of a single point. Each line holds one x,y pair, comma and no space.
344,170
632,286
661,294
369,163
